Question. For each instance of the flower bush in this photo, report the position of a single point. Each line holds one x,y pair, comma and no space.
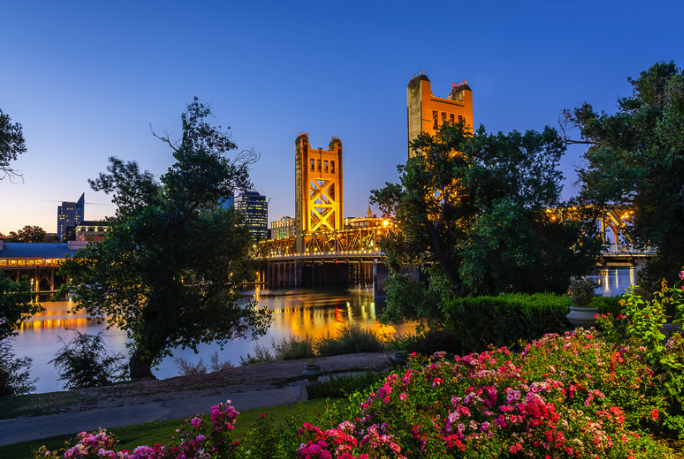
563,396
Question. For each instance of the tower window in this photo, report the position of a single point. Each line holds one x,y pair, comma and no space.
325,166
312,165
332,167
451,118
435,120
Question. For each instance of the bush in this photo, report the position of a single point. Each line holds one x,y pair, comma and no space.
582,290
346,385
505,319
607,305
14,373
350,339
185,368
437,341
84,362
562,396
294,348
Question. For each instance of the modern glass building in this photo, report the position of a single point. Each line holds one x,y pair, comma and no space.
255,209
69,215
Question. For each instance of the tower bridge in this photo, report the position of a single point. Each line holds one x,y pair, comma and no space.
328,249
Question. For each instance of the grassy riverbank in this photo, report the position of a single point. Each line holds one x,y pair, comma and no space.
162,431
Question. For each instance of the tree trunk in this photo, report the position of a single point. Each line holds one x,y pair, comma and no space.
140,367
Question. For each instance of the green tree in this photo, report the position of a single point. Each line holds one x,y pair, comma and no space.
28,234
476,205
11,145
170,269
15,305
636,158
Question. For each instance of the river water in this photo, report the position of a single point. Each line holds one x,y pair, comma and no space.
317,312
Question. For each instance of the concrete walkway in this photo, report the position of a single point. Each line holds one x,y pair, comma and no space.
33,428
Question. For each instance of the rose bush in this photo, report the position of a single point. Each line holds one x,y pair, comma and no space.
573,396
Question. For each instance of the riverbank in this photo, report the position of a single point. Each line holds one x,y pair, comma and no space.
249,378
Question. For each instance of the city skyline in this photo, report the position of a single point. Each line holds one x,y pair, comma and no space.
86,81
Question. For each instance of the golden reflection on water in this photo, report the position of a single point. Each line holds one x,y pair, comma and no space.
300,313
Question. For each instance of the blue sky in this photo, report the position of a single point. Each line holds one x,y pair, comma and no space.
87,79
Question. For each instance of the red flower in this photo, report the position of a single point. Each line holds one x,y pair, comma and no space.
654,414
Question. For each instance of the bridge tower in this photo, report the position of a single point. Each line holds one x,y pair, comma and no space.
318,188
426,113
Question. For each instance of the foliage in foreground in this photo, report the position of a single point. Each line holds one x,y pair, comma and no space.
15,378
563,396
84,362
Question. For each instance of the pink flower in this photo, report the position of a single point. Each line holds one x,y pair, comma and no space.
196,421
402,397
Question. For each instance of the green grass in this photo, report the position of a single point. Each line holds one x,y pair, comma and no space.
162,431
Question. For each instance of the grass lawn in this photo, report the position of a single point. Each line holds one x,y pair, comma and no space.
161,432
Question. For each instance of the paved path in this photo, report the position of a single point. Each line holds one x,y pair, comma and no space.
33,428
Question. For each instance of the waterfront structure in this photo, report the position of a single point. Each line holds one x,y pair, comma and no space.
39,261
427,113
91,230
283,228
319,203
254,207
69,215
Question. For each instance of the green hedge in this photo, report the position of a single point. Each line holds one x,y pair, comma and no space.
504,320
607,304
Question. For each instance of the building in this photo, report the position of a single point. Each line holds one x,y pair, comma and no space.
426,113
319,202
254,207
69,215
283,228
91,230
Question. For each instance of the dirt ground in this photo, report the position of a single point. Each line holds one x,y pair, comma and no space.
232,380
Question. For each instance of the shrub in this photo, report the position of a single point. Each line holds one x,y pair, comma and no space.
436,341
294,347
85,362
186,368
261,355
350,339
346,385
505,319
607,305
582,290
14,372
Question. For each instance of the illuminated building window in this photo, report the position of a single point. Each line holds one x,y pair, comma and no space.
435,120
443,117
312,165
332,167
325,166
319,165
451,118
460,119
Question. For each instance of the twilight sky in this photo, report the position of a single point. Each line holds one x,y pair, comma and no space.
86,79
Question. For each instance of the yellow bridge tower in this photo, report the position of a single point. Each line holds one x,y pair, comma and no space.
318,189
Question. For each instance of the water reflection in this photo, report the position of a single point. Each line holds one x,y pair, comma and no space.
614,281
299,312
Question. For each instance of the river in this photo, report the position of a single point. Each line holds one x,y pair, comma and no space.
316,312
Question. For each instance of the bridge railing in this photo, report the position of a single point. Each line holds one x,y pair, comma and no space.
628,250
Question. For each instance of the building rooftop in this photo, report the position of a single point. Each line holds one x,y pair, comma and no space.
37,250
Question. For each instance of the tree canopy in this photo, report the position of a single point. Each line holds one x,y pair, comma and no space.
170,269
636,158
11,145
486,210
27,234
